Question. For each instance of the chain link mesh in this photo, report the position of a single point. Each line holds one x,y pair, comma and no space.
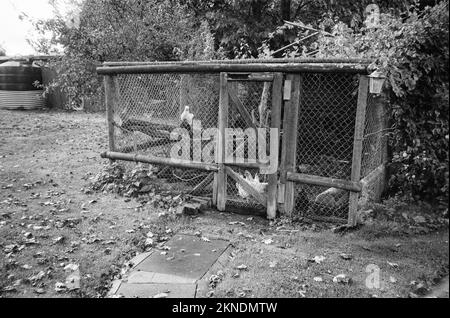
325,141
149,108
374,148
256,99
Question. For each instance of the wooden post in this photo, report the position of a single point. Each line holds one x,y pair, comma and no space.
357,147
220,179
272,191
111,104
290,123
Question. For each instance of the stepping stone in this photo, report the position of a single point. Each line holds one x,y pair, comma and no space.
179,269
151,290
189,257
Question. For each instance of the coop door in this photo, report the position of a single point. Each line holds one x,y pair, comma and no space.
248,143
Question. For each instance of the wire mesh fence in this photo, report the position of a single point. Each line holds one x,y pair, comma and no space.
150,108
253,98
326,127
374,151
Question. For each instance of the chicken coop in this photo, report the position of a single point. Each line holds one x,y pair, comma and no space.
301,137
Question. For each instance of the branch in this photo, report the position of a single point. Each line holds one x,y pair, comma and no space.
308,28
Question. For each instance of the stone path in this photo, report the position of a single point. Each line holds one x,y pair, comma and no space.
181,271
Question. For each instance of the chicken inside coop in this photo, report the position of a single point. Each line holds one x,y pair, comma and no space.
254,182
187,118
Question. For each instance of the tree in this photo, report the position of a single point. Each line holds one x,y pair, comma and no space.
111,30
2,51
412,50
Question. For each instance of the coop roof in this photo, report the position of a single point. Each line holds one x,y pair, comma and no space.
288,65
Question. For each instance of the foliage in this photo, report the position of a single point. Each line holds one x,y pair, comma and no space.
2,51
108,30
413,53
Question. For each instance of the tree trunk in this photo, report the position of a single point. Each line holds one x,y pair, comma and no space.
285,10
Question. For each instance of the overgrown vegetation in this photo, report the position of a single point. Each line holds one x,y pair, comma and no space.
413,52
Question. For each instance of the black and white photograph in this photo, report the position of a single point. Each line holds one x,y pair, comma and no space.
224,155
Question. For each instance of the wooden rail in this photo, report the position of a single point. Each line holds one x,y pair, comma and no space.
221,67
162,161
324,182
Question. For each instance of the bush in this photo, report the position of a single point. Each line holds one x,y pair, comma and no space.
413,52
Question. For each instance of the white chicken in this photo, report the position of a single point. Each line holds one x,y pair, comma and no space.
254,182
187,116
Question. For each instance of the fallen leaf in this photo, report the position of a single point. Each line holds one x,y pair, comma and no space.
393,265
149,242
268,241
318,279
273,264
39,291
392,279
60,287
346,257
342,279
205,239
242,267
317,259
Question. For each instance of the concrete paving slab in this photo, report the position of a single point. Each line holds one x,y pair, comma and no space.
150,290
189,257
140,277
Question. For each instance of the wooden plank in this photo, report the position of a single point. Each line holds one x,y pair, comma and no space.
290,142
325,182
162,161
287,89
277,100
221,177
249,165
111,103
357,147
261,198
249,77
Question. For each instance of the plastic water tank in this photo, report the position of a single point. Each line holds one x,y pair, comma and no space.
17,89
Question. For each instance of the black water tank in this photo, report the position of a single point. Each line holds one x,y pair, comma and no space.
19,78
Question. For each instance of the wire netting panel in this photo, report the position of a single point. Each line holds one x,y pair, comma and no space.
374,149
326,125
255,98
149,108
374,135
321,203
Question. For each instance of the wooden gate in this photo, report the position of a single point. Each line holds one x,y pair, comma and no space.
234,101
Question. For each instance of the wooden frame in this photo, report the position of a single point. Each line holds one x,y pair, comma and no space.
289,143
111,102
286,94
235,68
220,179
275,120
357,147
